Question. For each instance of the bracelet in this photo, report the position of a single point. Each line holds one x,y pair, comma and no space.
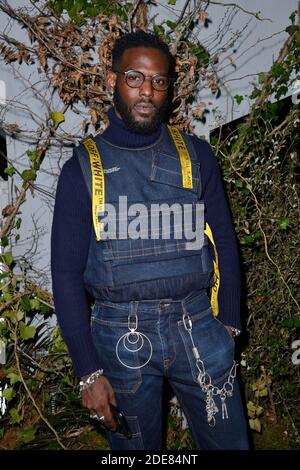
84,384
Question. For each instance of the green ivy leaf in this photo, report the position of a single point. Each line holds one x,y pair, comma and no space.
239,184
27,435
4,275
7,296
291,323
171,24
26,332
255,93
255,424
261,77
57,117
10,171
8,258
13,315
8,393
14,378
80,4
292,17
35,304
32,155
238,98
172,2
18,223
29,175
248,240
25,303
159,29
262,393
4,241
15,417
284,223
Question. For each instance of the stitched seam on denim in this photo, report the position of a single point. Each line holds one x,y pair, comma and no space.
136,435
195,297
100,321
155,305
177,173
154,250
218,321
174,156
173,342
164,240
146,309
131,391
162,344
196,317
187,350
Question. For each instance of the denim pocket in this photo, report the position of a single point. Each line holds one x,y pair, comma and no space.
215,345
119,442
106,335
166,169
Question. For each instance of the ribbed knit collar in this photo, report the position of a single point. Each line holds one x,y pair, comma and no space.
118,134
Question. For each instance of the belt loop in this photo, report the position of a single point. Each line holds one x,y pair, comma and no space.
132,315
133,307
183,307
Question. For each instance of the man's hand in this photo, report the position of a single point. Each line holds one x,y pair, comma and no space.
97,399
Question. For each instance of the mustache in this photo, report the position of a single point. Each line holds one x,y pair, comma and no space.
149,101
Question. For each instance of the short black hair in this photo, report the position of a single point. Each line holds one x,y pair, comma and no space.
140,39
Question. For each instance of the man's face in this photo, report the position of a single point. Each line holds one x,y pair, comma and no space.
142,109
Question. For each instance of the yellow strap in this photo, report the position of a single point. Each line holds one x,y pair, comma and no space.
187,182
98,186
185,160
215,287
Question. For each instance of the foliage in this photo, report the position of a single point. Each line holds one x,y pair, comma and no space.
260,163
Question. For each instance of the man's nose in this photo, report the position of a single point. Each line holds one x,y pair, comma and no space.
146,89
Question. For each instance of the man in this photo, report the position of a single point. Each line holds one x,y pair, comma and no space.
152,318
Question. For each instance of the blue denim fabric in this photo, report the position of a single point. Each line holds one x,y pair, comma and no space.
139,389
125,269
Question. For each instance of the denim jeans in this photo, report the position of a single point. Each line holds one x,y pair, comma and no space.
163,348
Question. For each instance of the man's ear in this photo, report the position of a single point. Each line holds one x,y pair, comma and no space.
111,79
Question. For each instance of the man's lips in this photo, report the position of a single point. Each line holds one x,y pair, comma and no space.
144,108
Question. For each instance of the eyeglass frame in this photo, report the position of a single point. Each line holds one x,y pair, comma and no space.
171,79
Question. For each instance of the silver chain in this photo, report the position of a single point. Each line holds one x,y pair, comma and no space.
205,382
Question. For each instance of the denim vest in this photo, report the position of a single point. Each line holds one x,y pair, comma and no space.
122,270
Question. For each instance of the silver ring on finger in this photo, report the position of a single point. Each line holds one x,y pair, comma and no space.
97,417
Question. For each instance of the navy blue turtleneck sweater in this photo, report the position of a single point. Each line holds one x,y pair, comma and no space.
71,232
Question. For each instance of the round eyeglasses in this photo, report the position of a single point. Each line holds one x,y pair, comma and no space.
135,79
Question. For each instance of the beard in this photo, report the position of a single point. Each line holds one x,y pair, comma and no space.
134,125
